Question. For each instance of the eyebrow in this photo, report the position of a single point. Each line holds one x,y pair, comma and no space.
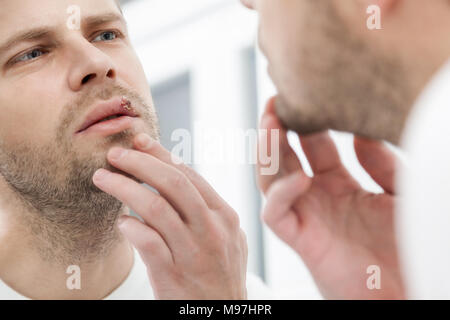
94,21
26,36
41,33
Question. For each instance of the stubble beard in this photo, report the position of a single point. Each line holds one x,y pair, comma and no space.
70,220
345,85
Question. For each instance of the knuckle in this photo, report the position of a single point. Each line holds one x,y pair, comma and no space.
151,245
210,225
205,214
188,172
177,180
217,240
211,234
157,206
234,220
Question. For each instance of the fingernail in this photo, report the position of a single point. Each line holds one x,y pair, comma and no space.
100,174
264,121
117,153
144,140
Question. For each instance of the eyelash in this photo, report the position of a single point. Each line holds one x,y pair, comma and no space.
116,33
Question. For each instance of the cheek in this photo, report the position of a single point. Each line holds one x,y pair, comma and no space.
280,28
24,117
281,41
131,71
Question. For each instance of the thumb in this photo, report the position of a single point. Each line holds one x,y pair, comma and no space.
278,213
279,151
378,161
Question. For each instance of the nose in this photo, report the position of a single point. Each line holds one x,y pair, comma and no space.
90,66
248,4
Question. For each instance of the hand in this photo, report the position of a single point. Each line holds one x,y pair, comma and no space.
191,241
337,228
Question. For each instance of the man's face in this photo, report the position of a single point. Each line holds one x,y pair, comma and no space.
49,84
327,74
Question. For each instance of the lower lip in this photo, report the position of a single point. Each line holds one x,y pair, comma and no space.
109,127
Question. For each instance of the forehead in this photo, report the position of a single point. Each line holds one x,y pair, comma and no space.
24,14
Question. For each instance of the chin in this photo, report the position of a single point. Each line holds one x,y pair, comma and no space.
292,117
285,112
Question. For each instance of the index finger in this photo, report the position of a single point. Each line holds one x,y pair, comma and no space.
378,161
146,144
288,160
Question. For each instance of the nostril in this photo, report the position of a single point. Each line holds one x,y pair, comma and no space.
87,78
110,74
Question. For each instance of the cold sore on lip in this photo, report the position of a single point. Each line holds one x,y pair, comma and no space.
124,104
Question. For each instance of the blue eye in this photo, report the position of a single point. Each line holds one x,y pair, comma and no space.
36,53
30,55
106,36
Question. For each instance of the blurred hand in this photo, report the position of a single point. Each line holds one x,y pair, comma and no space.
337,228
191,241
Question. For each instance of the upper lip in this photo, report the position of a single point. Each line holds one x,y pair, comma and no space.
106,109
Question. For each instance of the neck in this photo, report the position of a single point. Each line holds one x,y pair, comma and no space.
38,260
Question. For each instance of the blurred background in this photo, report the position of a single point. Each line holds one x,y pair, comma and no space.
203,66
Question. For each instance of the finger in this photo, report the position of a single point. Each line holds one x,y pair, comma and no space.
378,161
146,144
279,150
171,183
321,152
151,247
289,162
153,208
278,213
